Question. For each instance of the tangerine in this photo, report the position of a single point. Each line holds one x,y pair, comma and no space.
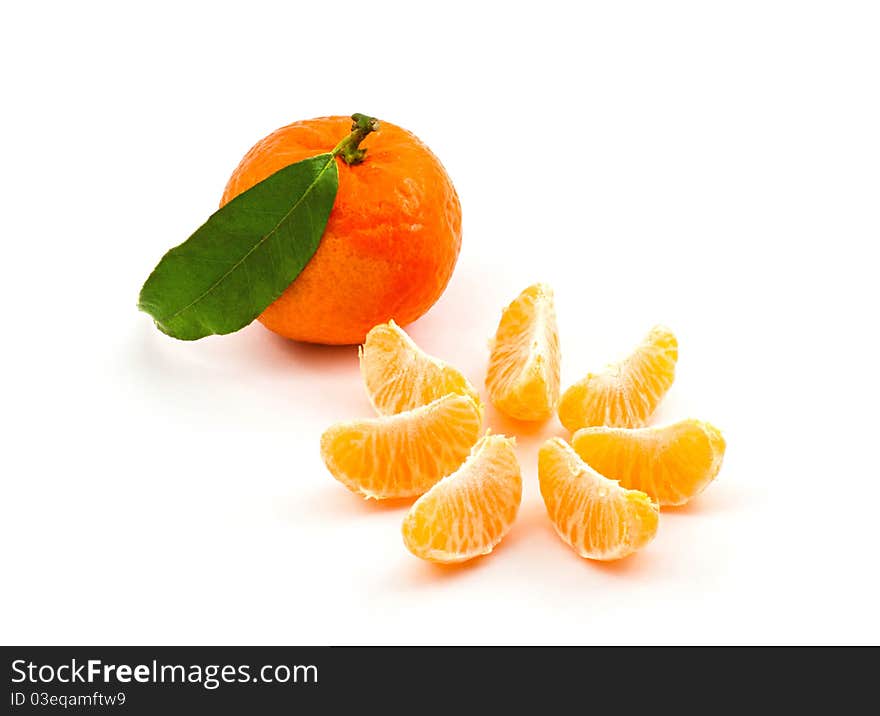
390,244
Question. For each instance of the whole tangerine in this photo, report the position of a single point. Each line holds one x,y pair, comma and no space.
391,241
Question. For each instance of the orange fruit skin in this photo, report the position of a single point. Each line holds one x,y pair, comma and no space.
391,242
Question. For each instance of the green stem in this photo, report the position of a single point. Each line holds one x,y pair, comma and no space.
348,148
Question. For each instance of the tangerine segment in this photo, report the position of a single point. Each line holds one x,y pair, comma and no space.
597,517
468,512
672,464
402,455
400,376
523,374
625,394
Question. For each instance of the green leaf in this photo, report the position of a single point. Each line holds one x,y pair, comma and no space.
244,256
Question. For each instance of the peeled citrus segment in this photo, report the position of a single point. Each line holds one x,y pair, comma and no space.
672,464
400,376
523,374
627,393
402,455
468,512
597,517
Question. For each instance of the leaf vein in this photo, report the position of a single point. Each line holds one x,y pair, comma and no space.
262,240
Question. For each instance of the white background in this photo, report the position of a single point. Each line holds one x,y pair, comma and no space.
711,166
